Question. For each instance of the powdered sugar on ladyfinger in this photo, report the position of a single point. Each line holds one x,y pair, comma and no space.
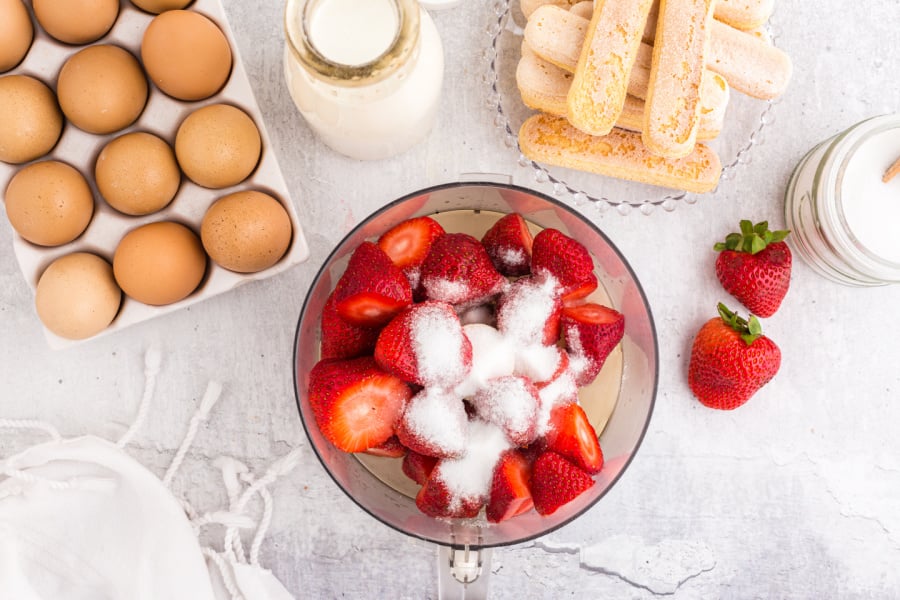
553,140
672,114
598,89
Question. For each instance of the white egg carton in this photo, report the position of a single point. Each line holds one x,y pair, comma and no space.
161,116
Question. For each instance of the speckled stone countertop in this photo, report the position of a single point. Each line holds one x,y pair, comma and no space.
792,496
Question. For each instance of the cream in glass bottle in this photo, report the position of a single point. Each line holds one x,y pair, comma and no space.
366,76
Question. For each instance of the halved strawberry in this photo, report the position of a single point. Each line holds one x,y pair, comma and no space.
372,289
528,312
418,466
341,339
425,344
434,423
459,271
572,435
356,404
511,403
390,448
510,488
591,331
556,254
408,242
436,500
561,366
508,243
555,481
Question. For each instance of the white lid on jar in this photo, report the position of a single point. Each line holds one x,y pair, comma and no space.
868,206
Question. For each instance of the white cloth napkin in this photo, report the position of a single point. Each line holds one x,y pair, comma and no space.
80,519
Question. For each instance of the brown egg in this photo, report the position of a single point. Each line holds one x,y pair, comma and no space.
159,263
76,21
77,296
217,146
246,231
137,174
16,33
102,89
186,55
49,203
30,119
159,6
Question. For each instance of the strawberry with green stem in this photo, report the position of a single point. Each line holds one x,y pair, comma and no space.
754,266
731,360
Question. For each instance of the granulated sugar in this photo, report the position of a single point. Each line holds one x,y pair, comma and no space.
559,392
436,419
438,343
515,257
470,475
579,363
492,356
537,362
445,290
526,308
510,403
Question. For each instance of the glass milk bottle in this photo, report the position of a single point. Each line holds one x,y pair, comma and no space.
366,76
844,209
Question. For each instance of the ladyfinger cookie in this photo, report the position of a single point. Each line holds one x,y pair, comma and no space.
741,14
583,9
744,14
750,64
544,86
529,6
557,35
553,140
672,113
601,77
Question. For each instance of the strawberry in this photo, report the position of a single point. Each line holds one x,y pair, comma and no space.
390,448
591,331
356,404
508,243
341,339
436,500
510,487
459,271
562,365
572,435
372,289
754,266
556,254
418,466
529,311
434,423
408,242
425,344
511,403
555,481
731,360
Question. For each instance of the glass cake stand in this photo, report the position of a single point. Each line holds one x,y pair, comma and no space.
745,122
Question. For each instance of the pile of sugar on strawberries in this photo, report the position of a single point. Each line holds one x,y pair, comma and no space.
627,88
463,357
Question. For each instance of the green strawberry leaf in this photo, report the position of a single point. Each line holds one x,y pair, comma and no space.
749,329
752,239
757,244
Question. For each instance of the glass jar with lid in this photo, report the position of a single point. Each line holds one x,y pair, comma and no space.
843,210
366,76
